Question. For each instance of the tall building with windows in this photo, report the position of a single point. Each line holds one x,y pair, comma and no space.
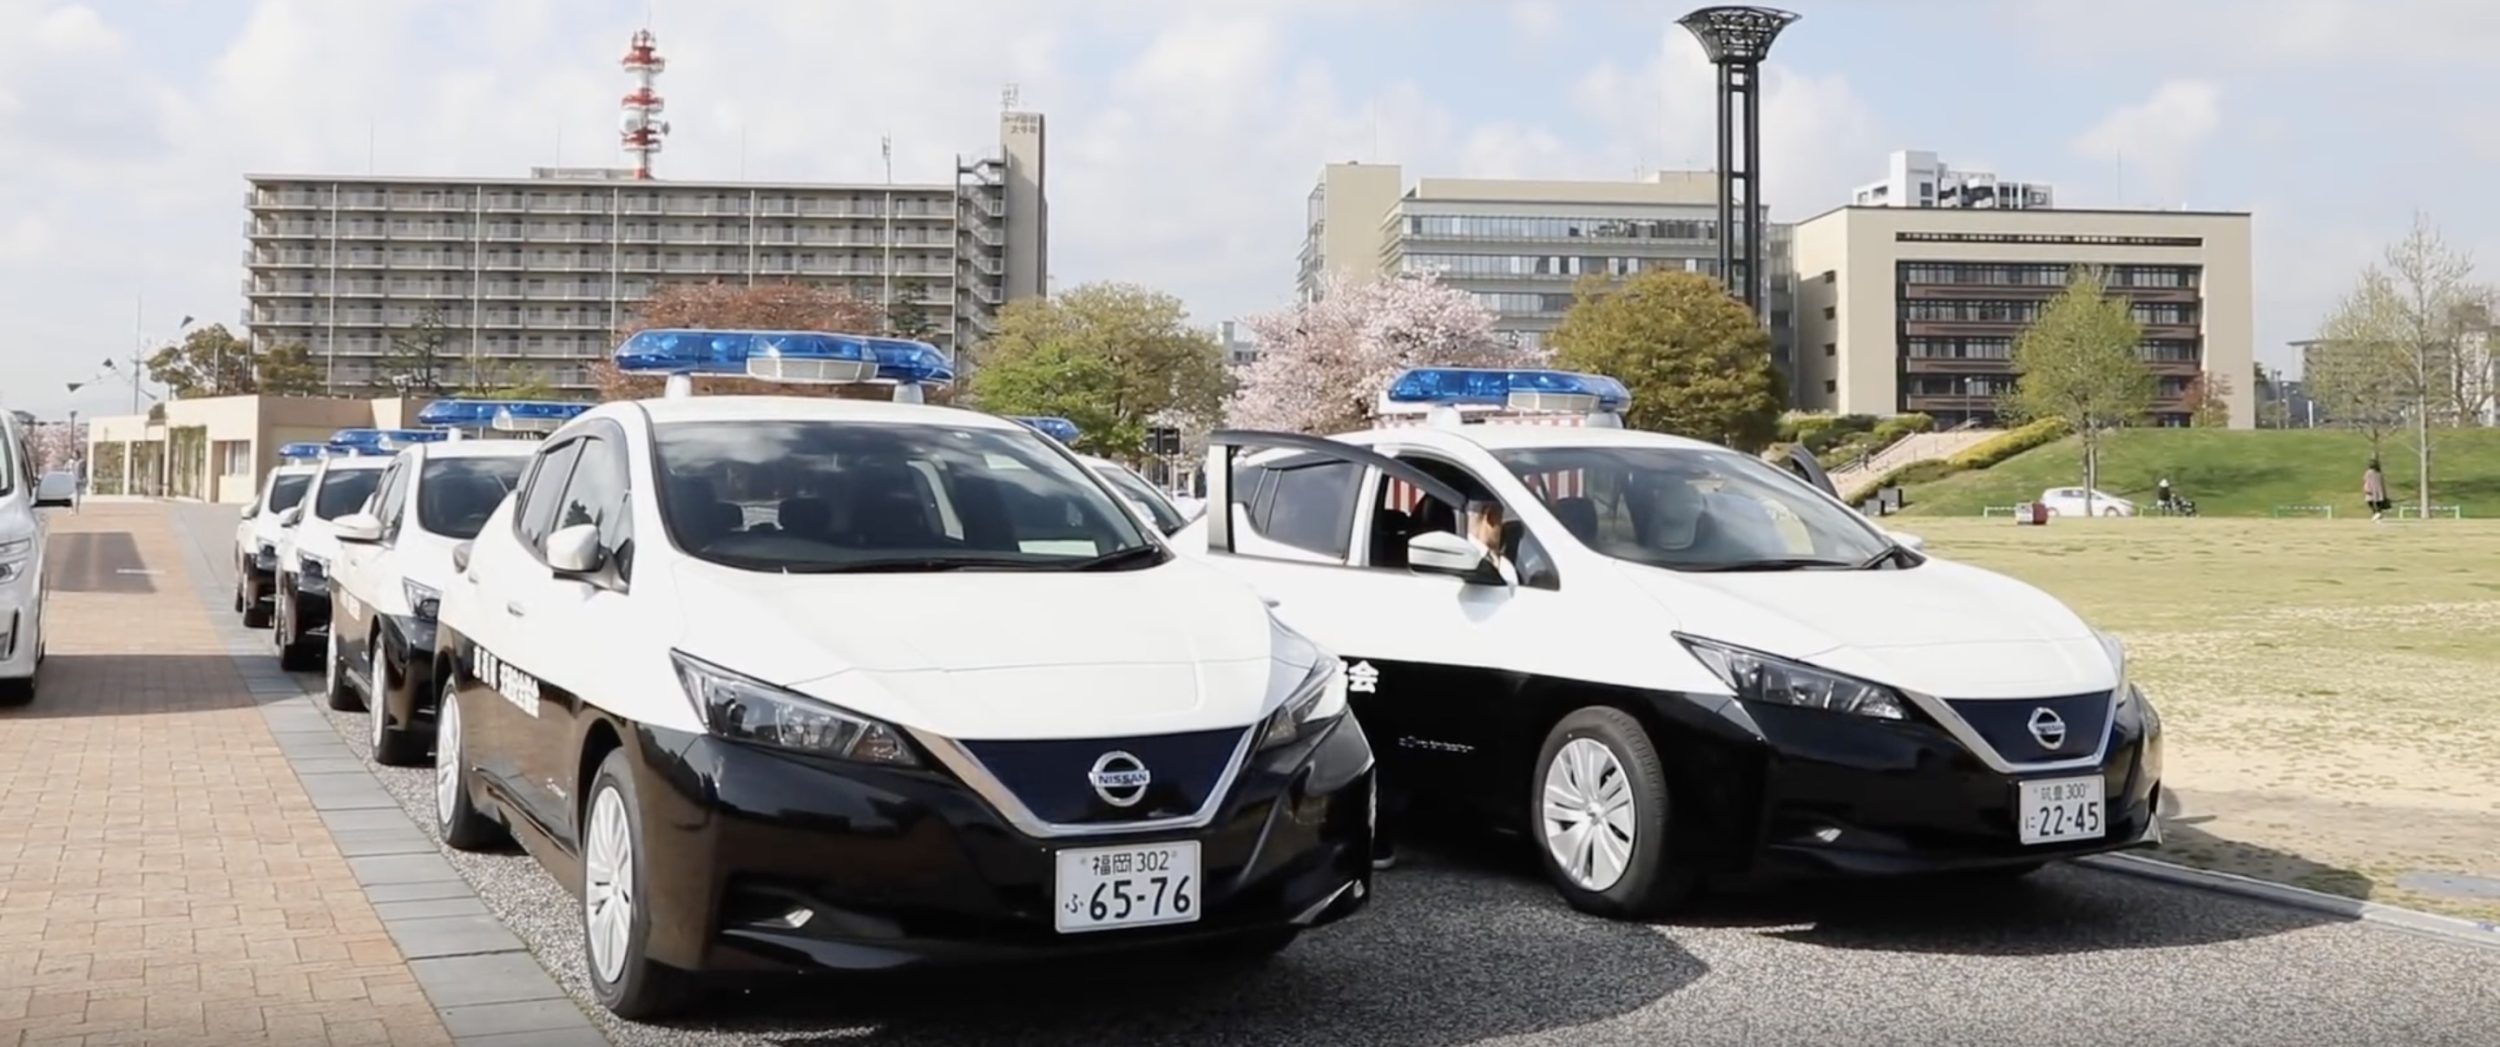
1916,178
1911,309
1520,246
540,273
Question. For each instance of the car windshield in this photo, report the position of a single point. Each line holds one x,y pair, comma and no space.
456,495
1135,488
810,496
287,490
1692,509
344,491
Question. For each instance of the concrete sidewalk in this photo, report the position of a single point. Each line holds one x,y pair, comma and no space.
178,864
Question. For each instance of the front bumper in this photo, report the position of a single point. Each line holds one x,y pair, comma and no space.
898,869
1846,795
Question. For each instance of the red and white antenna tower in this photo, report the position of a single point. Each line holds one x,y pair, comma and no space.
641,128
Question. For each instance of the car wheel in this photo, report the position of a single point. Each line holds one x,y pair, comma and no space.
292,653
1601,806
616,909
455,813
390,748
15,692
2111,511
242,578
334,685
255,616
2053,511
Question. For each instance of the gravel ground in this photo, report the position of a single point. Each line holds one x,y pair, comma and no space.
1465,945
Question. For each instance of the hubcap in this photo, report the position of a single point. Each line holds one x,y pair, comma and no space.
376,688
1588,813
607,885
330,662
447,758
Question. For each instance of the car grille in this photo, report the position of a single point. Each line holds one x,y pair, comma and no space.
2005,724
1053,778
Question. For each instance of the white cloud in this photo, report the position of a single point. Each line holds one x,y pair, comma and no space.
2156,139
1535,19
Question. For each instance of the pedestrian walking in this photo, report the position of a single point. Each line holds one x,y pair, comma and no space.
2374,490
2162,496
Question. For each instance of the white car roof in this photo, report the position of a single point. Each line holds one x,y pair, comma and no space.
488,448
1504,435
802,409
294,469
353,462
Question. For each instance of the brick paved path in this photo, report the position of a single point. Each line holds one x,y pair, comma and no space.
163,876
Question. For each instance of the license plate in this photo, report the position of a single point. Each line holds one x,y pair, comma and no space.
1141,885
2060,810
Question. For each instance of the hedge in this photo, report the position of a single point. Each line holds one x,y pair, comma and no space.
1979,456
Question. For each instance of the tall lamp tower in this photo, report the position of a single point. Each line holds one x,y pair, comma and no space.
1736,38
641,129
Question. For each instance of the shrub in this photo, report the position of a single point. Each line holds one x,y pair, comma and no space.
1990,452
1894,428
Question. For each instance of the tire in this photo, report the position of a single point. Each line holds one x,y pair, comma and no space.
335,689
16,692
2111,512
1601,760
242,580
616,915
2053,511
293,654
390,748
255,616
456,815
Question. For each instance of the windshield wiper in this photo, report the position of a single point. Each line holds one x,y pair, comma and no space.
1893,552
1117,559
901,565
1787,564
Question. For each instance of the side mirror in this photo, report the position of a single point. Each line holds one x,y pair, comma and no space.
57,489
1910,542
460,557
251,511
291,517
358,528
575,550
1440,552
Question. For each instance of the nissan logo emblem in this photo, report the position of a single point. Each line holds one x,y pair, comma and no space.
2048,727
1120,779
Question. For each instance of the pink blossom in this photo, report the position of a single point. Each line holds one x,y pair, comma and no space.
1323,364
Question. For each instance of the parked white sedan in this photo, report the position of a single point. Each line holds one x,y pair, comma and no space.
2072,501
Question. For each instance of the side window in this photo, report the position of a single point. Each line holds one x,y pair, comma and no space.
596,495
1405,512
1310,506
545,488
390,500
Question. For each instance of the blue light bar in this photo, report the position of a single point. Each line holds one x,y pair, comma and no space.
303,452
1426,387
1056,428
793,355
481,414
906,362
380,441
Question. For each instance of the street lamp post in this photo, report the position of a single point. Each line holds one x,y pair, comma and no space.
1736,39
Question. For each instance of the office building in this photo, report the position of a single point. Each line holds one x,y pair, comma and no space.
1915,178
542,272
1917,309
1240,348
1521,246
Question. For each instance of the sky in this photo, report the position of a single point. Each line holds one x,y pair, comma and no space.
1185,134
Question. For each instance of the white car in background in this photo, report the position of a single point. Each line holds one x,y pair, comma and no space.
2073,501
308,551
1158,507
256,534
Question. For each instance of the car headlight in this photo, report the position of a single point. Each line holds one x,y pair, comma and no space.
1317,698
1759,677
423,600
13,557
2117,650
743,709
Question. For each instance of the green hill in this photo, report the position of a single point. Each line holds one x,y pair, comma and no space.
2230,472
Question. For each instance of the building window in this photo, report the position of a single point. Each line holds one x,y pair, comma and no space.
2047,238
1831,385
1831,276
1831,349
1831,312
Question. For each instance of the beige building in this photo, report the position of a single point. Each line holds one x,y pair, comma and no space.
1520,246
539,273
218,449
1916,309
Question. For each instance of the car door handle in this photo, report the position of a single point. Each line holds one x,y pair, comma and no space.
514,608
1270,600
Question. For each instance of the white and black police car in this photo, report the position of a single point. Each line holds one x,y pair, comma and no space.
395,558
256,535
787,683
1669,662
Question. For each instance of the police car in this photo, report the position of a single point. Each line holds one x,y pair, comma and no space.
1158,507
799,683
1666,661
308,553
395,558
256,534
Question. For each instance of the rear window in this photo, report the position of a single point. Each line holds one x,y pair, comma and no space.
456,495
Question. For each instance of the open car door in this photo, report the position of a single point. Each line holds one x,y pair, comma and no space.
1801,462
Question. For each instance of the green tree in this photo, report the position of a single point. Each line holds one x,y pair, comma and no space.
907,316
1109,357
1695,360
418,360
209,361
2404,343
509,380
2078,361
287,370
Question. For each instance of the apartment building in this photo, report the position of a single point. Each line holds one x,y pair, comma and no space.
1520,246
1916,178
1917,309
540,273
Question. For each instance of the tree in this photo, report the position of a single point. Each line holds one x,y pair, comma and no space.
209,361
755,307
1113,358
1694,358
417,361
2077,361
509,380
907,317
2209,401
2403,339
287,370
1323,364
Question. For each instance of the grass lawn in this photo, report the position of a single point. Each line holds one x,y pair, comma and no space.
2234,472
2326,687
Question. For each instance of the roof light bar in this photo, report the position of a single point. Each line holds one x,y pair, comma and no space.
1056,428
380,441
303,452
795,357
1421,389
504,416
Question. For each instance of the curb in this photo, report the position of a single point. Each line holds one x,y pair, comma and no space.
2483,933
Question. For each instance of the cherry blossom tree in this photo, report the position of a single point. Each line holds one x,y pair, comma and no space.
1324,363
